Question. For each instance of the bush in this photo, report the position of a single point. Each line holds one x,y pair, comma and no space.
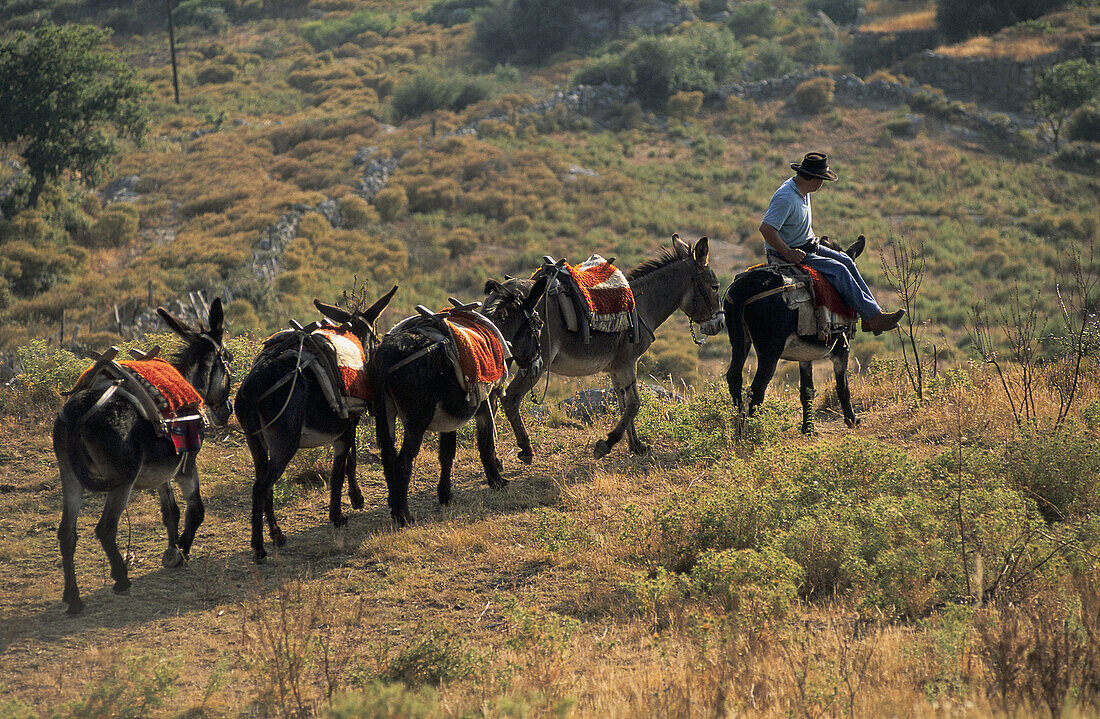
430,91
391,202
814,96
752,584
958,19
684,105
517,225
438,658
325,34
1056,470
461,242
216,74
357,213
755,17
1084,124
379,700
527,31
117,226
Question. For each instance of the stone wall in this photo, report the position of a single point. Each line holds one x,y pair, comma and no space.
1001,82
874,50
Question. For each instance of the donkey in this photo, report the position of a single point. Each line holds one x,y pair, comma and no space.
772,328
679,278
281,415
414,380
105,443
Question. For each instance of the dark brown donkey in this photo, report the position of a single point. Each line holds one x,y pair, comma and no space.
282,406
105,442
680,278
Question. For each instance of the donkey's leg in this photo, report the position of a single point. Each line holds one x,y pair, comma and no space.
765,370
415,427
343,452
106,530
355,495
513,398
170,516
806,395
448,443
188,480
740,343
626,390
487,445
843,393
268,469
72,496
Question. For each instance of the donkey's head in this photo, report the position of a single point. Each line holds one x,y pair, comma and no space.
513,308
203,360
853,250
361,322
700,302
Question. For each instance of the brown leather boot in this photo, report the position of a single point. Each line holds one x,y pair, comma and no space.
882,322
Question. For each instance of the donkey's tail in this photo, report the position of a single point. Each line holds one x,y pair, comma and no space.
378,377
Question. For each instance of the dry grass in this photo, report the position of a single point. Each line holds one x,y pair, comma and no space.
921,20
1001,47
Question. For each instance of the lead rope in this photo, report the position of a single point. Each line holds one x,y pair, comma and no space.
546,328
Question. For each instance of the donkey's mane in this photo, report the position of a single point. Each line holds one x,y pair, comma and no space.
502,304
668,256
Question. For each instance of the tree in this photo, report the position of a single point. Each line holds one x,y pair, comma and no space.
67,99
1062,89
958,19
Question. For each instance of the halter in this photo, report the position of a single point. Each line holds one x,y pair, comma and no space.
714,308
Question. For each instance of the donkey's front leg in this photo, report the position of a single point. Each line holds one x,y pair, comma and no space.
626,391
806,395
448,444
513,399
170,516
106,530
342,451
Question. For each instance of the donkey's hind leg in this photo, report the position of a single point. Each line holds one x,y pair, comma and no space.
843,393
487,446
448,444
72,497
343,465
188,481
765,370
106,530
806,395
355,495
513,398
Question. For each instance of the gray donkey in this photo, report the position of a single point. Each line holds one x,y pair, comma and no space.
106,441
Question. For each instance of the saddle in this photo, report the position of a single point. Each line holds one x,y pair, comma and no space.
474,346
822,314
593,296
155,388
333,354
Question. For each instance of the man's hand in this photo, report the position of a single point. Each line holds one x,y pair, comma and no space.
795,257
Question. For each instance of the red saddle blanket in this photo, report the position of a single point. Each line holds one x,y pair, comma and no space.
825,295
168,387
479,350
603,286
351,360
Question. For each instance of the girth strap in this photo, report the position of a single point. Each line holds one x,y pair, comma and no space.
772,291
415,356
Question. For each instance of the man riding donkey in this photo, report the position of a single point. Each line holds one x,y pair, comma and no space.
787,230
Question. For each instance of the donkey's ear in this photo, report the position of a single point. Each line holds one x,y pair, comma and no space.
217,319
537,291
857,247
682,250
371,313
177,326
701,251
337,314
492,286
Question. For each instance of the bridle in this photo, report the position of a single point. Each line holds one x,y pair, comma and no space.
701,288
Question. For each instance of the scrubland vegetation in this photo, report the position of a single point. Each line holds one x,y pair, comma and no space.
939,559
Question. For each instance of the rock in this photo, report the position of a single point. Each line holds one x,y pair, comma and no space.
120,189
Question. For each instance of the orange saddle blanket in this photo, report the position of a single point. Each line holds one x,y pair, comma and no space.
169,389
351,360
479,351
607,293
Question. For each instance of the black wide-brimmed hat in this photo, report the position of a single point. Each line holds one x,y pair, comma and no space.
815,164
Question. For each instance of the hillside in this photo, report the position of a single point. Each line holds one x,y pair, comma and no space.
940,558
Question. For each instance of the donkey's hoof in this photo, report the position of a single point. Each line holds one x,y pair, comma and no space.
341,521
357,502
602,449
851,421
259,555
173,557
445,499
499,484
277,537
122,586
641,450
808,430
526,457
75,605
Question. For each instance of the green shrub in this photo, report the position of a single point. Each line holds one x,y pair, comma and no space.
1057,470
755,17
46,368
1084,124
752,584
527,31
430,91
461,242
379,700
814,96
32,269
769,59
391,202
842,12
329,33
517,225
117,226
132,691
961,18
216,74
440,657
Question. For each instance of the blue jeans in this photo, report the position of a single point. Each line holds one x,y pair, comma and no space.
841,271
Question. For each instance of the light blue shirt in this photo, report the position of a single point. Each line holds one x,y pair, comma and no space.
789,213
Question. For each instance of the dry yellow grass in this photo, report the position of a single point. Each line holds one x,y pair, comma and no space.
1000,46
922,20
